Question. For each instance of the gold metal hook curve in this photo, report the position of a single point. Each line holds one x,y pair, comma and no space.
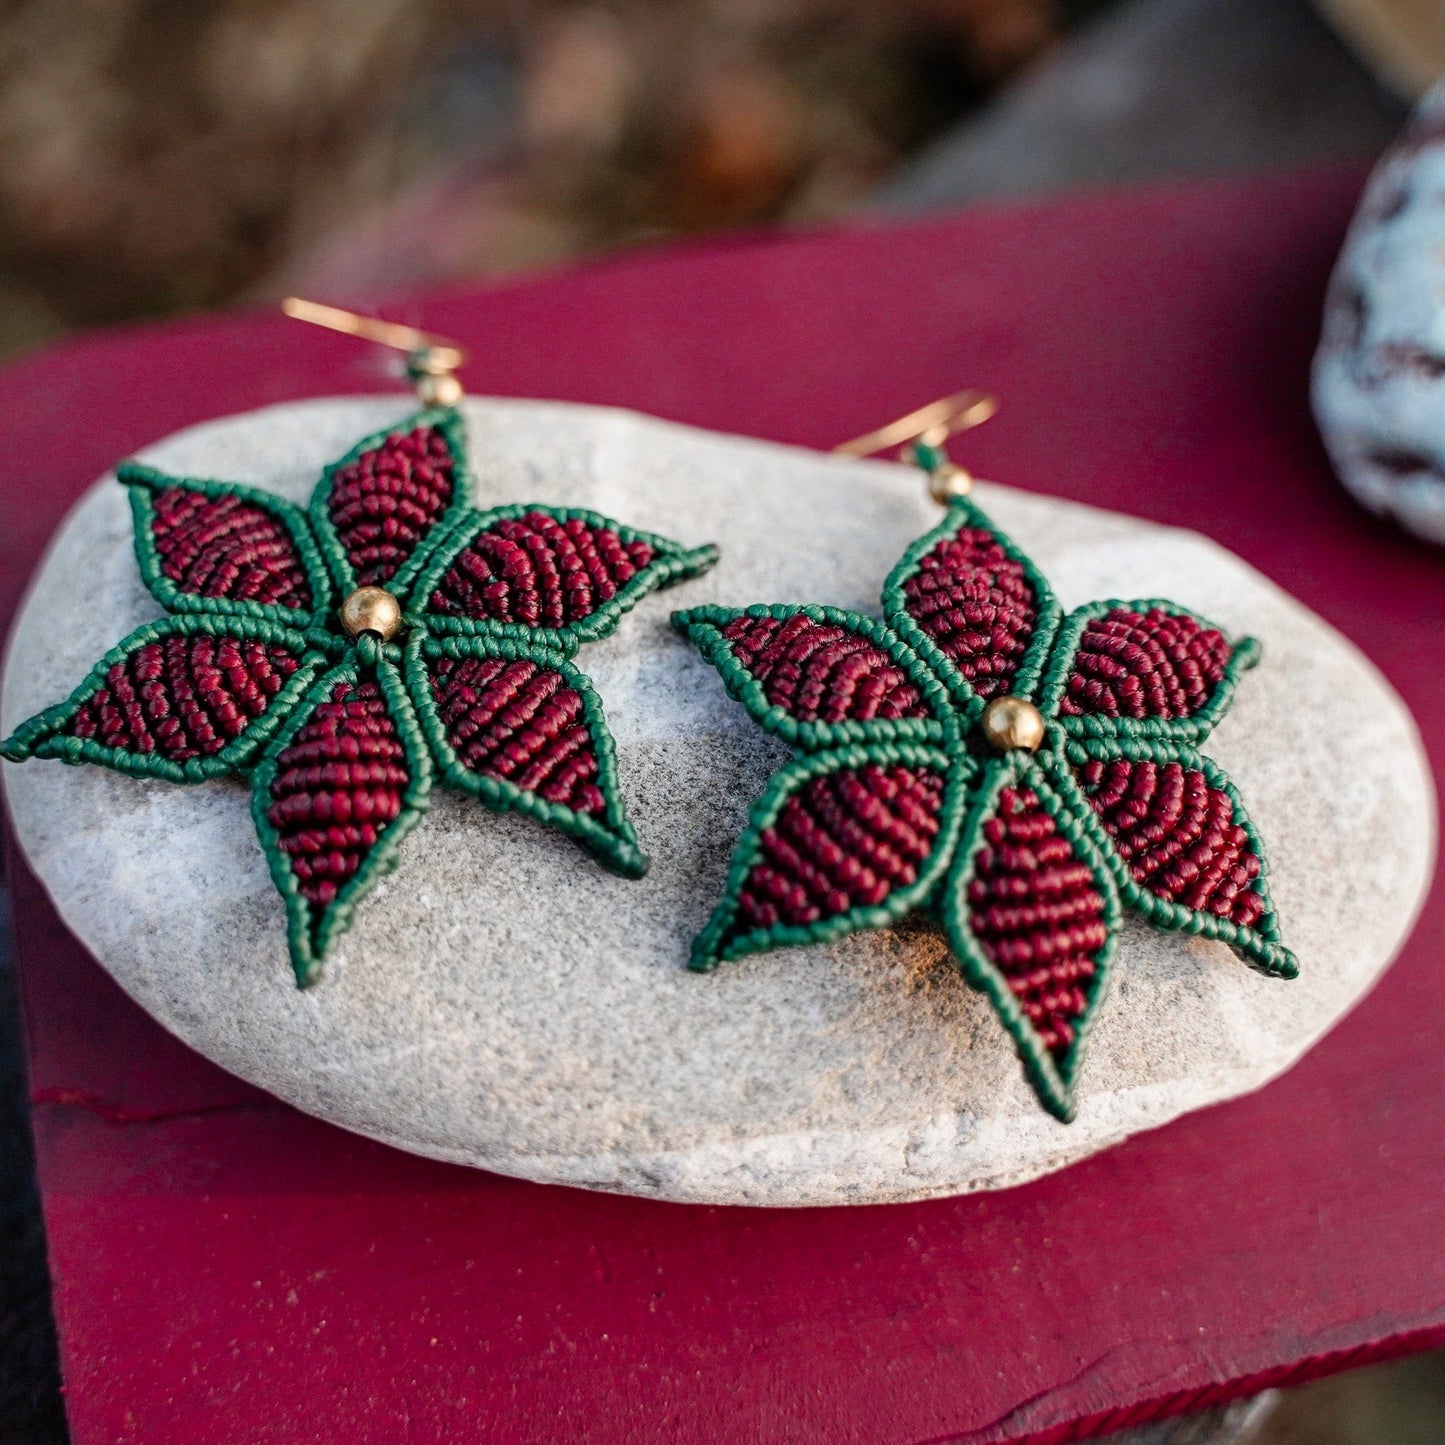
932,424
431,360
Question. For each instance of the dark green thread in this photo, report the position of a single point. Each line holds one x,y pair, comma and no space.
142,482
614,840
326,657
961,514
670,565
704,625
1052,1079
1260,945
43,735
444,419
310,937
1244,654
712,946
951,731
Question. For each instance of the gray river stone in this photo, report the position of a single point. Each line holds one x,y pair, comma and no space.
503,1001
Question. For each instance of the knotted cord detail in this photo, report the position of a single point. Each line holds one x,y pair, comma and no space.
820,672
1178,836
539,570
1038,915
183,697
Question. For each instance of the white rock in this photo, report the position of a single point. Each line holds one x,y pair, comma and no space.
1379,374
502,1001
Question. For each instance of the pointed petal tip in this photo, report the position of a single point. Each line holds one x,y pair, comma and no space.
1060,1103
307,971
1283,964
626,859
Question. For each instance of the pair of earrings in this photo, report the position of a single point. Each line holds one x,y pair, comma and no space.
976,754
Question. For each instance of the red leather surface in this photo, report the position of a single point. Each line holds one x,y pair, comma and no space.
228,1270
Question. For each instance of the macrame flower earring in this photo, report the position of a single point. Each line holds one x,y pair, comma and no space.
343,656
979,756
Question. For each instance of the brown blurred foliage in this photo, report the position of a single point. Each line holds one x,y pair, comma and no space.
157,155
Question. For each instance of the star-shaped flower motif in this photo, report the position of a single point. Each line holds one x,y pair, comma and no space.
344,655
1014,772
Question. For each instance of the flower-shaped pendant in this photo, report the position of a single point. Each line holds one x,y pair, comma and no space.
1014,772
343,656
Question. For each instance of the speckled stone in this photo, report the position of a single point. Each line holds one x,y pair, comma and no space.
1379,374
503,1001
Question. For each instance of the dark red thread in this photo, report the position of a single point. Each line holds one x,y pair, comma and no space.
1038,915
978,605
1178,836
538,571
182,697
225,546
820,672
383,504
520,722
1145,664
842,841
338,784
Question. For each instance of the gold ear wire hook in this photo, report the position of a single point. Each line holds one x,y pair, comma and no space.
922,433
430,361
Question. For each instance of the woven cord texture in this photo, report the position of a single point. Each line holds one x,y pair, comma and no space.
820,672
183,697
977,603
383,504
1178,836
538,571
520,722
226,546
338,783
1150,664
1038,915
844,840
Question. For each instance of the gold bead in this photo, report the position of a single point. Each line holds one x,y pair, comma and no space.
946,483
440,390
1010,722
371,609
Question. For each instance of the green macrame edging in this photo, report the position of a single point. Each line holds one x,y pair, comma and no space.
444,419
670,565
1052,1080
309,936
42,736
703,626
1260,946
142,482
712,945
1244,654
615,841
963,514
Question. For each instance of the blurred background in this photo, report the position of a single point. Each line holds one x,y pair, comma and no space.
163,156
159,157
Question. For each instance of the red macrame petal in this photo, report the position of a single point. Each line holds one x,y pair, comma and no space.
227,546
1040,917
979,604
336,786
1178,836
519,722
847,839
383,504
1145,664
538,570
184,696
820,671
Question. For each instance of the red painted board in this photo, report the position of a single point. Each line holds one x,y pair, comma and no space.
228,1270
